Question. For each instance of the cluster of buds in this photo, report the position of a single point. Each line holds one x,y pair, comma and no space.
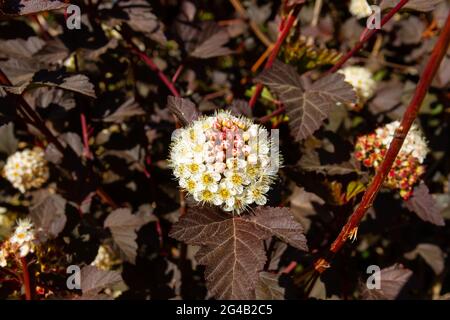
224,160
371,149
27,169
20,244
362,81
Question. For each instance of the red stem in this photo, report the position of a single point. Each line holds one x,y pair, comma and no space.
400,135
149,62
85,134
177,73
368,34
26,278
276,49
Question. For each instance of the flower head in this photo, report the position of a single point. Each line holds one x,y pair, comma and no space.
362,81
224,160
407,168
360,8
20,244
27,169
23,237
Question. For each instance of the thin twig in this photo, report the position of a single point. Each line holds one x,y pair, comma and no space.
409,116
253,25
367,35
276,49
84,127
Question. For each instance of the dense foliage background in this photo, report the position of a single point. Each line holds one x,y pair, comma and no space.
100,91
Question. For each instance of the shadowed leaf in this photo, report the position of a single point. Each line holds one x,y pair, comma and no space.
184,109
268,287
8,141
123,225
392,281
48,214
432,255
94,280
140,18
25,7
425,206
128,109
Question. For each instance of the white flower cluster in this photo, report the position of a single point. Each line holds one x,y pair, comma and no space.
27,169
362,81
21,242
360,8
224,160
414,144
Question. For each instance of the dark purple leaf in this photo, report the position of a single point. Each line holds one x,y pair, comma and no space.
25,7
424,205
47,211
432,255
268,287
123,226
307,105
183,109
232,246
392,281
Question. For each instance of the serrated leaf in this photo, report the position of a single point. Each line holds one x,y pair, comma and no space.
202,40
392,279
43,97
76,83
8,141
211,41
129,108
307,105
232,246
280,223
141,18
123,226
26,7
94,280
183,109
268,287
19,72
20,48
425,206
419,5
432,255
47,211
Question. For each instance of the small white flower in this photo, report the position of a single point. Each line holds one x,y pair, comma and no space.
362,81
224,195
360,9
218,159
190,185
27,169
